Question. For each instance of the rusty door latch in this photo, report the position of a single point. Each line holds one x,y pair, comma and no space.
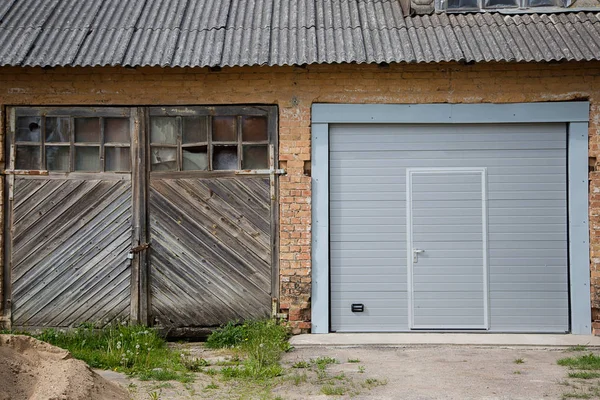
137,249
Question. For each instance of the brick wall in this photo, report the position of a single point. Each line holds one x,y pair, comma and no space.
294,90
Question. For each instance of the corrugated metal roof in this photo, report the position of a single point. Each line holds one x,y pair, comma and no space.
197,33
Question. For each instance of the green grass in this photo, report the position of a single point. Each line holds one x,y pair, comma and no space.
331,390
353,360
584,375
135,350
585,362
323,362
260,342
301,364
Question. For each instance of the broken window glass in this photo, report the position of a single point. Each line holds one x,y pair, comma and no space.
164,130
118,159
57,130
254,129
164,159
87,130
28,157
116,130
225,157
57,158
87,159
28,129
255,157
224,129
195,158
194,130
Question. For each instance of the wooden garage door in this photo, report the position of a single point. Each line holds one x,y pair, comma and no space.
70,217
211,215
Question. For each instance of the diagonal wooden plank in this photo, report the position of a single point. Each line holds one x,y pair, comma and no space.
55,294
203,256
69,244
190,228
24,189
258,219
211,291
220,227
190,189
94,285
72,227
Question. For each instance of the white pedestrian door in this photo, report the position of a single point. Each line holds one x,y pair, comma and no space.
447,235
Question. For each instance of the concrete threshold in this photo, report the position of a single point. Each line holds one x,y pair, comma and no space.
434,339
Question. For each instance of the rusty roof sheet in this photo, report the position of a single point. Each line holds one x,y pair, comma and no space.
215,33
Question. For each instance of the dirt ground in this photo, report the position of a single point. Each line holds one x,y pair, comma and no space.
30,369
409,373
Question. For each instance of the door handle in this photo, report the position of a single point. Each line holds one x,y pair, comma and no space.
416,253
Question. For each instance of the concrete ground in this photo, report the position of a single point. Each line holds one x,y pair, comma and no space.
473,339
377,367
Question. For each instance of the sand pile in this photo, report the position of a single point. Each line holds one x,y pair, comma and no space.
30,369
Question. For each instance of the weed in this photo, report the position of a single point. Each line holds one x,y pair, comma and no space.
210,371
353,360
163,385
159,374
361,369
578,347
589,362
517,372
330,390
323,362
261,341
195,365
154,395
519,361
372,382
228,336
298,379
575,395
211,385
340,377
584,375
301,364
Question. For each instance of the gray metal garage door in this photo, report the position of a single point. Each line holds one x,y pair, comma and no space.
449,227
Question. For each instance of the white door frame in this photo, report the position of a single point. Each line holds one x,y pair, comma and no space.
409,243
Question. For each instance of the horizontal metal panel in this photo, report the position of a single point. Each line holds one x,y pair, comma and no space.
448,146
369,279
362,267
555,278
367,287
391,297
